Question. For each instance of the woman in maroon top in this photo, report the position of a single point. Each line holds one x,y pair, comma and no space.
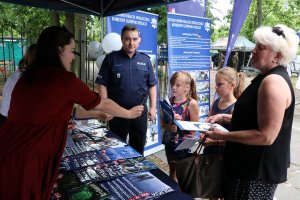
32,140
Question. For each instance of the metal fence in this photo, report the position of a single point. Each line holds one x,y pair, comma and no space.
13,47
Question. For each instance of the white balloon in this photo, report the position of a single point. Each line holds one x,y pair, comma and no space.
99,61
111,42
95,49
99,51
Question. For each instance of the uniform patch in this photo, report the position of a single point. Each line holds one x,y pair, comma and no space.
141,63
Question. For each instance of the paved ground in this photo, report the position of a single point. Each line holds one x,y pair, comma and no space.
289,190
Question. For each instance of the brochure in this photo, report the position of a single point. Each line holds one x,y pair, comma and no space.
142,185
166,107
197,126
111,170
187,143
67,186
81,159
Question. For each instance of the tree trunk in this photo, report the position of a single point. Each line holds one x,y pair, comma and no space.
54,17
80,62
70,22
259,13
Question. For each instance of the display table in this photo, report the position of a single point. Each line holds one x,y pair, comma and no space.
96,164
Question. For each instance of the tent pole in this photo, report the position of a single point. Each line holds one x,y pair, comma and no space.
102,22
79,6
244,58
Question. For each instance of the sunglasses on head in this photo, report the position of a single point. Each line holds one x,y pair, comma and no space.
278,31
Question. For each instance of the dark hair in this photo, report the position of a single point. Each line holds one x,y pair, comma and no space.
129,27
47,49
27,58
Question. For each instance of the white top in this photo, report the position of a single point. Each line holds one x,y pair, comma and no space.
7,90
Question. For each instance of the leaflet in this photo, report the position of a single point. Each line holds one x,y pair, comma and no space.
197,126
142,185
166,107
187,143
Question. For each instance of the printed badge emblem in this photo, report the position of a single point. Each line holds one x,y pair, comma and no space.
118,75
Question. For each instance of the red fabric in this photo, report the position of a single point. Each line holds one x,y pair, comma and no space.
33,138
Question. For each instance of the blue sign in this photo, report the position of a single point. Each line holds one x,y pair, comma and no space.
192,8
189,50
147,25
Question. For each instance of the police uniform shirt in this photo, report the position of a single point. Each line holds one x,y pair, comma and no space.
126,79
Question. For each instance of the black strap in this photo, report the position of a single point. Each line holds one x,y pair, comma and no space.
200,145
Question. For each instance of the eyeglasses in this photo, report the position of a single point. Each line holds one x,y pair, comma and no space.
278,31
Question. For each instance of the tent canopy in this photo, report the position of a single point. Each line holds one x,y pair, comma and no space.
96,7
241,44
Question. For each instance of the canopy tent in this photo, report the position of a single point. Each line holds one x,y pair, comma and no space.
241,44
96,7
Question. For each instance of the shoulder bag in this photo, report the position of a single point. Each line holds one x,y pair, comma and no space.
201,175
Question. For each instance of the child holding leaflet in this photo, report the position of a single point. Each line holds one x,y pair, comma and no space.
229,86
185,107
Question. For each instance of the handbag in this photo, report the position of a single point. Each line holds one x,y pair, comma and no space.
201,175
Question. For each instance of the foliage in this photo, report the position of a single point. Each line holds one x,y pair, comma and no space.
223,29
23,20
30,21
274,12
161,11
94,28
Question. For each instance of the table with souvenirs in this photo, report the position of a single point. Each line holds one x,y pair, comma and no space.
98,165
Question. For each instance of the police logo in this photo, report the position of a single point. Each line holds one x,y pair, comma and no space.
118,75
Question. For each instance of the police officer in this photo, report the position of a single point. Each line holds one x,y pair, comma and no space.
126,76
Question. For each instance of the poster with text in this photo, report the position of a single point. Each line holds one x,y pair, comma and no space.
147,25
189,50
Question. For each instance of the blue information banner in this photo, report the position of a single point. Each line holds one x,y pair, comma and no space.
147,25
189,50
191,7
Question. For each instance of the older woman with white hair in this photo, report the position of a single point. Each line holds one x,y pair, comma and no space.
257,150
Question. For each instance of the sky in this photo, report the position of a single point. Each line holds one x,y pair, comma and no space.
222,6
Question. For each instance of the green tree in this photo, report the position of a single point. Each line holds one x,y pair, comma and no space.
273,12
223,30
23,20
161,11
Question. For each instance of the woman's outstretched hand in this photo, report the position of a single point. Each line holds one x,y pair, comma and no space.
136,111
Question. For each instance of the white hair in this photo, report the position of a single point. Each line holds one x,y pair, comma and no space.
286,43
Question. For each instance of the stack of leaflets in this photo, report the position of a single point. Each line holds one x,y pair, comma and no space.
89,125
142,185
166,107
111,170
67,186
79,159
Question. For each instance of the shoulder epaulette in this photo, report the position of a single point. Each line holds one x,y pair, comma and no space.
145,54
